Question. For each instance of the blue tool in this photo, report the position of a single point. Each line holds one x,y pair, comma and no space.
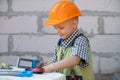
34,63
25,73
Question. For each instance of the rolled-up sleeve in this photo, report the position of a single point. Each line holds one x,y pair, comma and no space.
54,58
80,48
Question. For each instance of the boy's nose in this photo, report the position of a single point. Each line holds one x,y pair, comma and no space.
58,31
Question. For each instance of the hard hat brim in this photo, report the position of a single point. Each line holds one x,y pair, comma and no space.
55,22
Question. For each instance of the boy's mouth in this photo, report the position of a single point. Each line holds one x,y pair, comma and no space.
61,35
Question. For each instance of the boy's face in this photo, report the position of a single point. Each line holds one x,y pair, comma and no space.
65,29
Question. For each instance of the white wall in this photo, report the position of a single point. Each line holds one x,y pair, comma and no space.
22,31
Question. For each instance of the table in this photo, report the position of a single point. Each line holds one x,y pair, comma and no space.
45,76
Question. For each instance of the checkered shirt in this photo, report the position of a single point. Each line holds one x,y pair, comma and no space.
80,48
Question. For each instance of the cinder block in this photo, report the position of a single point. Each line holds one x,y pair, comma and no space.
32,5
3,43
96,63
105,43
112,25
42,44
88,24
99,5
103,76
3,6
110,64
117,76
48,29
47,58
18,24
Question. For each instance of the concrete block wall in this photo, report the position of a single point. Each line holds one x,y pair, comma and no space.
22,33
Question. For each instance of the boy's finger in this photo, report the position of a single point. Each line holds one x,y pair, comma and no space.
40,64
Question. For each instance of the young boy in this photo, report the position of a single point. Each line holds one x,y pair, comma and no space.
72,54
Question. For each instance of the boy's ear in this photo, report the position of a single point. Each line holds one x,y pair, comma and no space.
75,23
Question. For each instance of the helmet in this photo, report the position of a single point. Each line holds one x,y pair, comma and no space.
62,11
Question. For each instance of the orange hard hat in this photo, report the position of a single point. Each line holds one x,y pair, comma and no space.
62,11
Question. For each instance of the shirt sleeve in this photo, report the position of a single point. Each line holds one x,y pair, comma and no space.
80,48
54,58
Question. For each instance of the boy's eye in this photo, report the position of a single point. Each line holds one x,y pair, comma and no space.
61,27
58,27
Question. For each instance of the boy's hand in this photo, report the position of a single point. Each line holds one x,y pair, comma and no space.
40,64
38,70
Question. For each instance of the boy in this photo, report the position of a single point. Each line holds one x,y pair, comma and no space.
72,54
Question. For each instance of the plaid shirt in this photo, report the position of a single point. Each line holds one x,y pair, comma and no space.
80,48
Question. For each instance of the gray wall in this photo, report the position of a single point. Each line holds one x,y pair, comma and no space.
22,33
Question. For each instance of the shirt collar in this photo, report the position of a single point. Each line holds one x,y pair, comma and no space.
65,43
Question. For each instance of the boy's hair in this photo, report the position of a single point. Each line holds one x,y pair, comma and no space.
76,18
62,11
